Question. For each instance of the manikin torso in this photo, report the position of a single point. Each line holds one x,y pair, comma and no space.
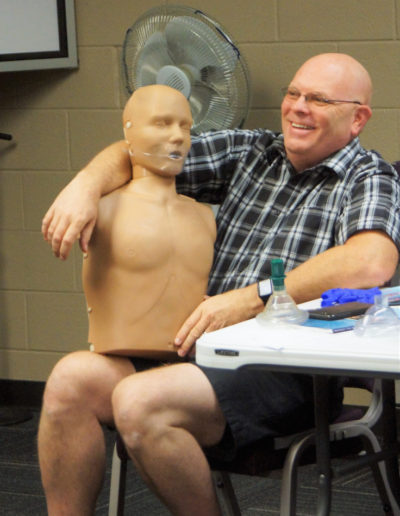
146,271
147,266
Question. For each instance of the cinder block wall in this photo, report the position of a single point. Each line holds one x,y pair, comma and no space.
60,119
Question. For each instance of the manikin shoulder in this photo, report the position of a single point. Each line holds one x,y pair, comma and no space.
204,211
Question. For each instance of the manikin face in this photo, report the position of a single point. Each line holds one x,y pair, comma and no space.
311,132
157,123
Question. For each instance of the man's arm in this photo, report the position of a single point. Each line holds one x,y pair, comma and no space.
367,259
73,213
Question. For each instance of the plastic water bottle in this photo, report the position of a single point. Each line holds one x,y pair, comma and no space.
280,308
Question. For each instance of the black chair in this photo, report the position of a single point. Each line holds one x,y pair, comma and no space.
351,435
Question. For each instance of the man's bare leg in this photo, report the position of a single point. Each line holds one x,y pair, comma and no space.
165,416
76,401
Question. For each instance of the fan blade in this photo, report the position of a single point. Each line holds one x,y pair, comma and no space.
210,110
153,56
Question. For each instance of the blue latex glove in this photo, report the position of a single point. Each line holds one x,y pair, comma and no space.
338,296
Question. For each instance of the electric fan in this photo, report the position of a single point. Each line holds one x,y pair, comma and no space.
185,49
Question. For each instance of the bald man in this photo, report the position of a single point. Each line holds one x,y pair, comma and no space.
312,196
151,252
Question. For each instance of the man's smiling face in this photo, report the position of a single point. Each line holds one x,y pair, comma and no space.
312,133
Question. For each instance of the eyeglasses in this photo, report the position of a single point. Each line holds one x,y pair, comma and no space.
292,95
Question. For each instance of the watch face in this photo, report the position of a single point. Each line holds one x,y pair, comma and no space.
264,288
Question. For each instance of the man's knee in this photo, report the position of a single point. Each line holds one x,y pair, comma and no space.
65,387
135,409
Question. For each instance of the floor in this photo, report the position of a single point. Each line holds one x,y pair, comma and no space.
21,493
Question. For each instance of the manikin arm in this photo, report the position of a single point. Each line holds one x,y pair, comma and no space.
367,259
73,213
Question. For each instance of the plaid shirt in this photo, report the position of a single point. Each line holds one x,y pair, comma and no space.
268,211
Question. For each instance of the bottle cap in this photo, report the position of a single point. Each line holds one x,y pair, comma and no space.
277,273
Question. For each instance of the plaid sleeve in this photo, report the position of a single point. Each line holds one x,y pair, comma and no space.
373,202
213,159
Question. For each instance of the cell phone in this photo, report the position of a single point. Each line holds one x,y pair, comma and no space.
330,313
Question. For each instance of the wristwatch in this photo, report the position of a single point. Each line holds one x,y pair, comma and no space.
264,288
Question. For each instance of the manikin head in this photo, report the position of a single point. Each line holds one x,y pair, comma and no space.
313,131
157,122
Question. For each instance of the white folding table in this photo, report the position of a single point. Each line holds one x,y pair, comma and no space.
321,354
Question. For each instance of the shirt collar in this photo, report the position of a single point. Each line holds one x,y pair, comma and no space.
338,162
276,148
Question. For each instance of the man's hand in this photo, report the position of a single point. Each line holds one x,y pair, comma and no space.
217,312
74,212
71,216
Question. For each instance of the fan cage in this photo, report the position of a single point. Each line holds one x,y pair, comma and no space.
221,97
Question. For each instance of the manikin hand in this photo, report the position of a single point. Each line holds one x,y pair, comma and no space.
217,312
72,216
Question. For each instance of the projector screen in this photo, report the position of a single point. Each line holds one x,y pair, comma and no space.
37,34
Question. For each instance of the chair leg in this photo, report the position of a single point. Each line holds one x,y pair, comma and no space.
381,472
225,493
289,475
379,482
117,485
